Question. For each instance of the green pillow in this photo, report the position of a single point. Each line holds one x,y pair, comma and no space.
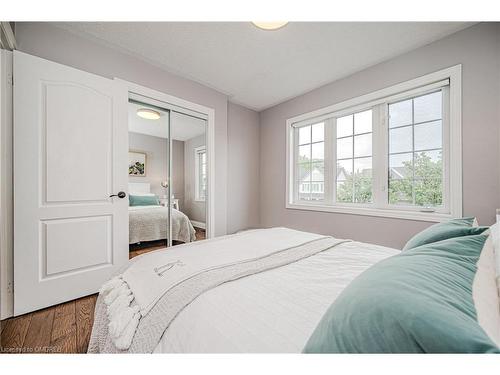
143,200
418,301
442,231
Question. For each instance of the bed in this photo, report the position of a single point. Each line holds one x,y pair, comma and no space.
258,291
278,310
149,223
295,295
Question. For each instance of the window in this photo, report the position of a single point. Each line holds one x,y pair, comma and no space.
395,152
200,156
354,157
310,163
416,151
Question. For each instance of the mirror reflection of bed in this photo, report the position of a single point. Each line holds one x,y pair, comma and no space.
148,178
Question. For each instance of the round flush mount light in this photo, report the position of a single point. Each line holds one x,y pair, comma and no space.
148,114
270,25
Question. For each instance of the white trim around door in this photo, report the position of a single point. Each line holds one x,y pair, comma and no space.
6,174
159,98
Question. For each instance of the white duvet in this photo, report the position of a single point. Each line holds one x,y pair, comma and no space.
136,307
273,311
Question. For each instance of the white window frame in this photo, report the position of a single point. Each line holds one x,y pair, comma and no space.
197,152
452,149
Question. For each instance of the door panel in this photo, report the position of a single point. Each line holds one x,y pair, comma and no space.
89,236
85,121
70,155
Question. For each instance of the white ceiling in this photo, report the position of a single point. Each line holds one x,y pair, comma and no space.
184,127
260,68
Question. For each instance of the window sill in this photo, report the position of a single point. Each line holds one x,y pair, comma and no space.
379,212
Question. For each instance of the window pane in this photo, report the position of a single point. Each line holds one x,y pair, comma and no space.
344,148
400,139
363,145
362,190
344,126
304,191
363,168
304,135
318,132
428,164
401,166
436,155
428,107
318,172
401,192
304,172
318,152
400,113
363,180
429,192
317,191
428,136
401,179
363,122
304,153
344,169
344,191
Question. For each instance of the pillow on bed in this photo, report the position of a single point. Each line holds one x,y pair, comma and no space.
419,301
495,239
143,200
442,231
485,292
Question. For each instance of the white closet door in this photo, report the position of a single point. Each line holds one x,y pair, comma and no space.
70,155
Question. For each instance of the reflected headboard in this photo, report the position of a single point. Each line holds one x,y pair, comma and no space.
139,188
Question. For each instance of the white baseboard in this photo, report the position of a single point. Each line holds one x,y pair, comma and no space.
198,224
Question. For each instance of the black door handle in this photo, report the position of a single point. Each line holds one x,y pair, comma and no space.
121,194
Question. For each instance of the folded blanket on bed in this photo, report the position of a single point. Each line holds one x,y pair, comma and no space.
135,308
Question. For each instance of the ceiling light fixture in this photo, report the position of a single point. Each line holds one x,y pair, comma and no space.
270,25
148,114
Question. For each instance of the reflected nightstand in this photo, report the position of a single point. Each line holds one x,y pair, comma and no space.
175,202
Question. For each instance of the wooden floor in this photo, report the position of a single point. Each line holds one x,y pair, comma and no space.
64,328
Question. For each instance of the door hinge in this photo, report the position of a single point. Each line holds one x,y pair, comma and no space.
10,287
10,79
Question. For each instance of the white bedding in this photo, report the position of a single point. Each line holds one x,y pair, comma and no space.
273,311
149,223
135,308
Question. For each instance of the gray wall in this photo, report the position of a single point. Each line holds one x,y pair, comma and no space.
478,50
157,163
49,42
193,209
243,133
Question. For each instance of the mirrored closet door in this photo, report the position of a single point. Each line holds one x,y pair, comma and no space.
189,176
167,175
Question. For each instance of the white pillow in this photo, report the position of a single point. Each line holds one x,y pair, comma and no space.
485,292
495,237
142,194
